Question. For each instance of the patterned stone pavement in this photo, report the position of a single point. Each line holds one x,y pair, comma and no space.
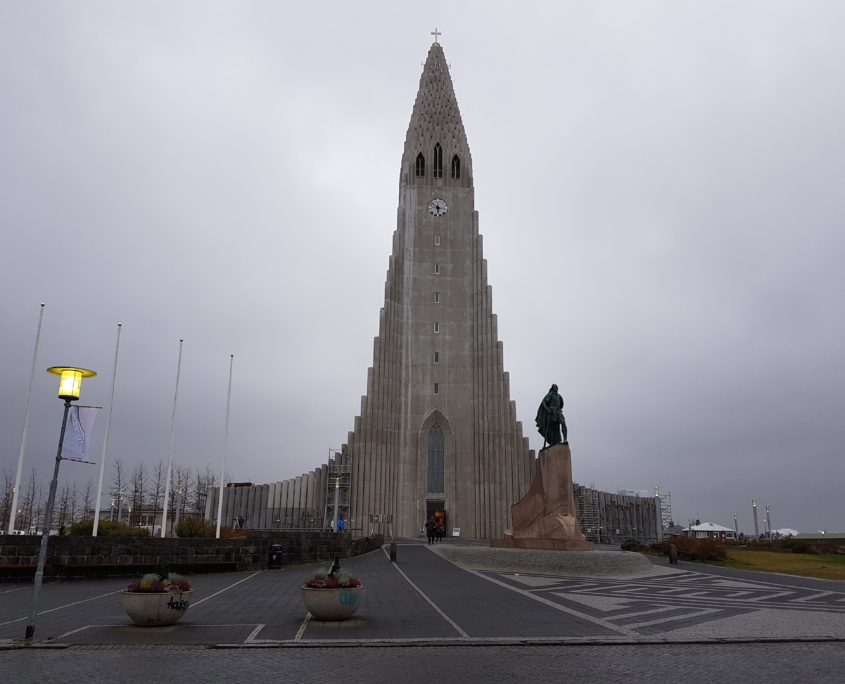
689,604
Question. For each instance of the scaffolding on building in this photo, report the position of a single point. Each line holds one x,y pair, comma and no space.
380,521
666,520
587,506
338,489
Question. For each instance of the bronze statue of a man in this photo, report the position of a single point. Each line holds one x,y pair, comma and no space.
550,420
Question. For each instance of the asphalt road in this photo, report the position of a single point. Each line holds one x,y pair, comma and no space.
424,618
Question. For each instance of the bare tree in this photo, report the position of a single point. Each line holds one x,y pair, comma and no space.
74,501
39,509
6,500
182,488
157,487
87,499
139,488
118,488
27,503
204,480
64,505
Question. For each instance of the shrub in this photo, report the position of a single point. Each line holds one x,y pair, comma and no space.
231,533
106,528
799,546
634,545
195,527
700,549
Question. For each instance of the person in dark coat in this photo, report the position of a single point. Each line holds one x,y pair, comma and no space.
429,530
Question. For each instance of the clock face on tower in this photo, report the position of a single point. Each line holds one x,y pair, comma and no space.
437,207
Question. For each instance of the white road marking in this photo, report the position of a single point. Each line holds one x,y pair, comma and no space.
254,633
812,597
9,591
687,616
217,593
454,624
67,605
302,627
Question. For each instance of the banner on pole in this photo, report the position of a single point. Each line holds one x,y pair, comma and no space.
80,426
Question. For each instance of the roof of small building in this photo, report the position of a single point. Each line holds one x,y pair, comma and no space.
710,527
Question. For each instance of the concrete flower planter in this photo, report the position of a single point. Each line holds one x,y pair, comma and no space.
332,604
155,609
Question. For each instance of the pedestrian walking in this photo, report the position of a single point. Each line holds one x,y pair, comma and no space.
429,530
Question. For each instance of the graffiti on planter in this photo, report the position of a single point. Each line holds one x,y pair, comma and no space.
178,604
348,598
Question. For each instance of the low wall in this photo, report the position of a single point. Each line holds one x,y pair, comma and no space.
71,556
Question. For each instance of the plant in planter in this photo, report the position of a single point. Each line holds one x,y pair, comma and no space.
333,595
157,599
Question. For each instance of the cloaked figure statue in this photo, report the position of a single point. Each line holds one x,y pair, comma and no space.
550,420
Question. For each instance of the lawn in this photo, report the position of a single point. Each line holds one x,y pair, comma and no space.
822,565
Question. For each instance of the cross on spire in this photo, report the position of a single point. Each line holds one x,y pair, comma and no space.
436,33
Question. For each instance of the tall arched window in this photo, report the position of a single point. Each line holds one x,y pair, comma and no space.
456,167
420,165
437,171
435,459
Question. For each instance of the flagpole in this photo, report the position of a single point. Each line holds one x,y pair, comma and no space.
170,455
106,441
225,447
13,512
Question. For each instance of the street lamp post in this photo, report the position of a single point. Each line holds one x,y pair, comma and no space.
756,527
768,523
69,385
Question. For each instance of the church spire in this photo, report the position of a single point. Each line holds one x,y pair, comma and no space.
436,121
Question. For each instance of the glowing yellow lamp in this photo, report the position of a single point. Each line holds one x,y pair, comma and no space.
70,380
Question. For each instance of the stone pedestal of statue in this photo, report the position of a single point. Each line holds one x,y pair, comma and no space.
545,517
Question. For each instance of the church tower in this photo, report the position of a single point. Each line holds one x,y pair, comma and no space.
437,430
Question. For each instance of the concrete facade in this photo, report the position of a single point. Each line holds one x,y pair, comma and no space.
437,393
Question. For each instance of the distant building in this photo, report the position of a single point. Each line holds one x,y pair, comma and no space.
634,492
708,530
612,518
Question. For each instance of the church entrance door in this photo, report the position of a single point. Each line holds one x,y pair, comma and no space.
436,508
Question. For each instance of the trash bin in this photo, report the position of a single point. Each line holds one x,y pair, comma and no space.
275,560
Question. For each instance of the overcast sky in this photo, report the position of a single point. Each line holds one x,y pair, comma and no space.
661,188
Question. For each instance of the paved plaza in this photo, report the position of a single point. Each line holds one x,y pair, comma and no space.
425,604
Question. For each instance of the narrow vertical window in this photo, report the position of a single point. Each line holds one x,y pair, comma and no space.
436,357
435,459
456,167
437,298
436,269
420,169
436,239
437,167
437,388
436,327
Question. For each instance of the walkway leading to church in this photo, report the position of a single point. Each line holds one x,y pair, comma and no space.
426,600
